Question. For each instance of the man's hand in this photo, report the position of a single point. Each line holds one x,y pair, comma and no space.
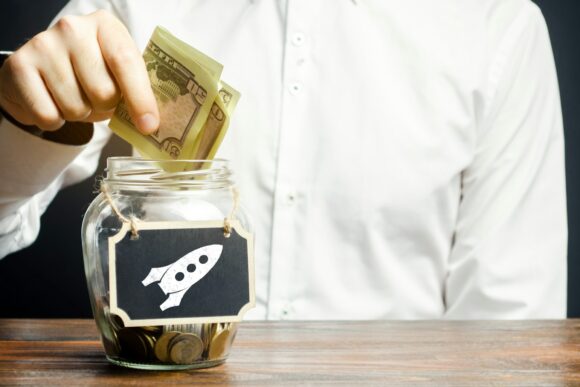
77,71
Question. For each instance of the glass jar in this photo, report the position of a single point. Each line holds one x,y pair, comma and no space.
138,190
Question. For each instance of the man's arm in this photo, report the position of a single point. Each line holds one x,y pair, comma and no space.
509,255
76,71
32,171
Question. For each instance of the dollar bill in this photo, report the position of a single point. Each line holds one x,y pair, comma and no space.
194,105
216,125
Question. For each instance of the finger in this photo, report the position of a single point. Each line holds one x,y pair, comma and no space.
99,116
60,79
90,68
16,112
96,80
29,101
9,100
128,68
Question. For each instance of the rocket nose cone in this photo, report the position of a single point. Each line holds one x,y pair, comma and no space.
215,250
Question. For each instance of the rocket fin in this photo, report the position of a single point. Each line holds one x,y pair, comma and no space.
155,275
174,299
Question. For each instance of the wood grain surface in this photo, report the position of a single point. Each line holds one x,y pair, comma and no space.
440,353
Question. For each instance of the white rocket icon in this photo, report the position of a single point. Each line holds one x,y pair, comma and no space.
177,278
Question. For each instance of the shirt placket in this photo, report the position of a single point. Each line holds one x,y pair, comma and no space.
289,190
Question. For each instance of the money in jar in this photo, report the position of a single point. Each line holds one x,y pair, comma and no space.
159,242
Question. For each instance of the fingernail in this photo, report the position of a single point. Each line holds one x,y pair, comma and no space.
147,123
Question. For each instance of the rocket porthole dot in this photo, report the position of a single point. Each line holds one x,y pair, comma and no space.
191,268
179,276
203,259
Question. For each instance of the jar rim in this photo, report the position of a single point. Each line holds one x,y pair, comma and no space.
131,171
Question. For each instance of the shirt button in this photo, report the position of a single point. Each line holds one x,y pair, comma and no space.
290,199
298,39
286,311
295,88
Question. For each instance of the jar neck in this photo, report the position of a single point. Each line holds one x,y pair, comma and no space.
134,173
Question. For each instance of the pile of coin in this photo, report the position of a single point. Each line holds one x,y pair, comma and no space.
169,344
178,348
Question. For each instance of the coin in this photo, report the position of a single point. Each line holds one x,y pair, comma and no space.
219,345
116,322
162,345
152,330
185,348
150,345
206,336
233,328
135,345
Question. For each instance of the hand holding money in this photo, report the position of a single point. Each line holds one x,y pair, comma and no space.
77,71
194,105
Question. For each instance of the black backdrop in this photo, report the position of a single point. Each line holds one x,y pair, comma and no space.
47,279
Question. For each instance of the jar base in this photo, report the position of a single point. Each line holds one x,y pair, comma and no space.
165,367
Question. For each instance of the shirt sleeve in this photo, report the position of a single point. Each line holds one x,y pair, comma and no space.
508,260
33,169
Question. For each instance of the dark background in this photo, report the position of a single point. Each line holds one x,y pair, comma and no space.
47,279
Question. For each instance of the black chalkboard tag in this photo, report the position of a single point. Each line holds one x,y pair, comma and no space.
181,273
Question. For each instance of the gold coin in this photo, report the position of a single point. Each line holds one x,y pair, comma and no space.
185,348
152,330
151,340
162,346
206,336
116,322
134,345
220,345
233,332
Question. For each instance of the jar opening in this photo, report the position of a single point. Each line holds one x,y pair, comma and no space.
197,174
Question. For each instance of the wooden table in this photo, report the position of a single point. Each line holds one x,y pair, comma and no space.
64,352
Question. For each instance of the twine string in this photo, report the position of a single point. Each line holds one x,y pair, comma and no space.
231,217
132,220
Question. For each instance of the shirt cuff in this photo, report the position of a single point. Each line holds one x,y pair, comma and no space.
29,163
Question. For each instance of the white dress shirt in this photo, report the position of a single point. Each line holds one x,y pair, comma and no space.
399,159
